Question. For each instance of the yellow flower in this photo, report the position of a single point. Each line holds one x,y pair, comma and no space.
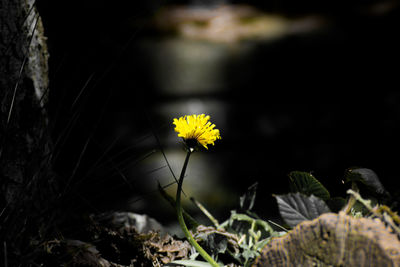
196,129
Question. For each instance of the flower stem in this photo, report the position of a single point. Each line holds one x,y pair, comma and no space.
185,230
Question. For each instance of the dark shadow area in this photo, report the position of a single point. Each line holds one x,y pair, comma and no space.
319,101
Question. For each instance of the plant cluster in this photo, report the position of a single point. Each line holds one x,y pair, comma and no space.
239,240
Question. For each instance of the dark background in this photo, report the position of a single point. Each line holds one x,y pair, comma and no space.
319,102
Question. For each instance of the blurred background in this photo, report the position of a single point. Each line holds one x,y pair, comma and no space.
292,85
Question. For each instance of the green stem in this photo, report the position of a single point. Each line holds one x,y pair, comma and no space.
185,230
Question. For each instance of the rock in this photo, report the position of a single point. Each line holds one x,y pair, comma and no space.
334,240
141,222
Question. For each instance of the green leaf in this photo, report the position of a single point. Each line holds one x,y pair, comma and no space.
241,223
295,208
358,210
307,184
367,177
249,254
214,243
247,199
189,263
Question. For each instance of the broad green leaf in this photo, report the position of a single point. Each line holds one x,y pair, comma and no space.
307,184
367,177
295,208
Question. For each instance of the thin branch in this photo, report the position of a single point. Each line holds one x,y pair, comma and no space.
86,144
82,89
78,163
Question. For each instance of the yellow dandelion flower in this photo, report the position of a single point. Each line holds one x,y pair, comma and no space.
196,129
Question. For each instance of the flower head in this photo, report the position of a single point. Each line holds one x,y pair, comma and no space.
196,129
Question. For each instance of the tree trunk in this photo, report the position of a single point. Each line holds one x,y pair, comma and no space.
27,185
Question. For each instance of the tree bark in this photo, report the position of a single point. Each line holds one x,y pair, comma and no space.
27,184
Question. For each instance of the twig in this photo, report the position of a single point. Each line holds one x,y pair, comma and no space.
277,225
